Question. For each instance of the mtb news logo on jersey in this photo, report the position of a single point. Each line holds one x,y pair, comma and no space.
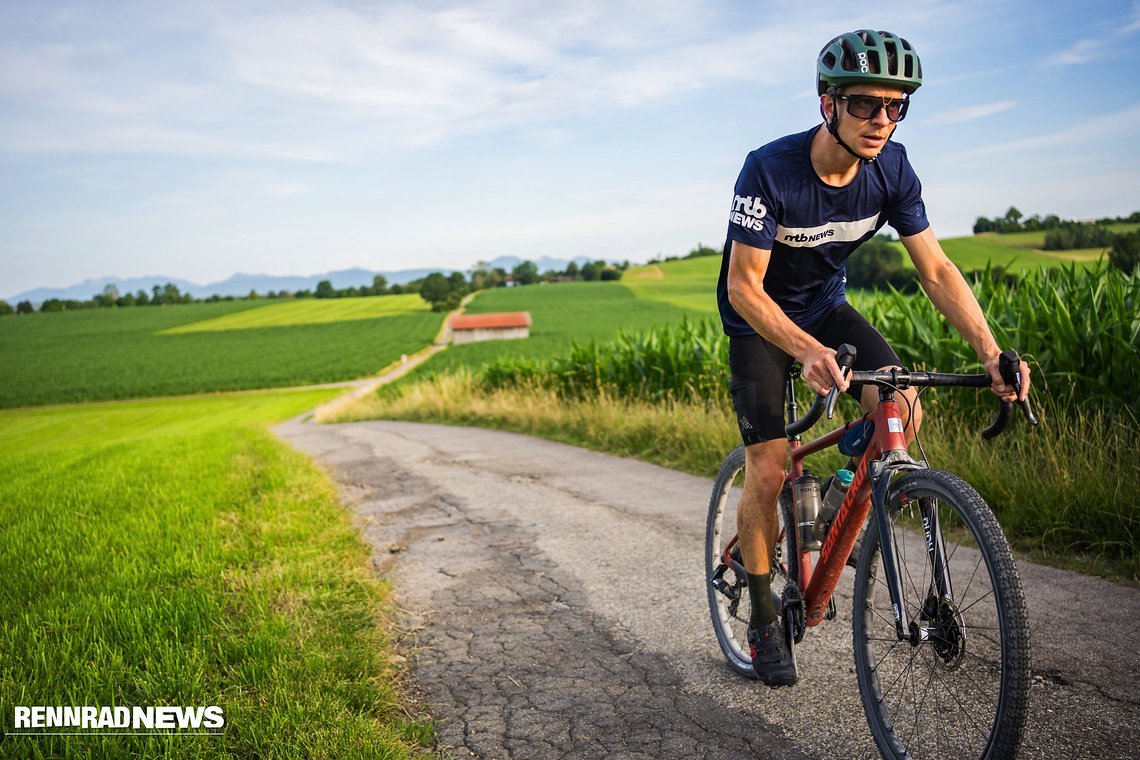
748,212
55,720
803,237
830,232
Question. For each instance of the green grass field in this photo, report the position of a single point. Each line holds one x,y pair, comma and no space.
308,311
174,552
104,354
561,313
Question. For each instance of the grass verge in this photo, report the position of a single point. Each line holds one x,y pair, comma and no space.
175,553
1059,496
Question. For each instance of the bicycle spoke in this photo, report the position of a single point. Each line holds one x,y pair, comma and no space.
989,593
941,698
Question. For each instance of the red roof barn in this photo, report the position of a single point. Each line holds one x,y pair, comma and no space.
471,328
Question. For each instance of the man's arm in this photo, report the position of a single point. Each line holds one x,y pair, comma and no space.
746,269
951,295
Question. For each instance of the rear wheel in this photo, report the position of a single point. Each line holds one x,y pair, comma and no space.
958,684
726,582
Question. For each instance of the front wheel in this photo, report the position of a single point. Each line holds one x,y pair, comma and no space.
726,581
957,684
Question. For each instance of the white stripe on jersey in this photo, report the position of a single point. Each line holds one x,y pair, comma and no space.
832,232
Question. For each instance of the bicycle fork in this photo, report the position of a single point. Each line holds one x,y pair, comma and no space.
940,589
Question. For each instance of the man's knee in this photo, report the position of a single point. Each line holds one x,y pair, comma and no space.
765,466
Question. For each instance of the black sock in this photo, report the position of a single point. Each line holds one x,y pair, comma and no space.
760,592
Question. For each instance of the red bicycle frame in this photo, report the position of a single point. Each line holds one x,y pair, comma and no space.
818,586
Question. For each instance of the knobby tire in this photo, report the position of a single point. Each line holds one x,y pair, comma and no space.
963,691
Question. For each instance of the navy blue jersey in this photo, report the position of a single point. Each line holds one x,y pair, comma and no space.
782,205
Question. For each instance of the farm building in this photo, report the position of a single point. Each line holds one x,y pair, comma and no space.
472,328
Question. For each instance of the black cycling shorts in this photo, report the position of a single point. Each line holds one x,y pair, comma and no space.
759,370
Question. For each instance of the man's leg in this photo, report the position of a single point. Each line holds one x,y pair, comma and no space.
758,527
757,524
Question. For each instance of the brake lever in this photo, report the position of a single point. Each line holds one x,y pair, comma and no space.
1009,366
845,358
833,394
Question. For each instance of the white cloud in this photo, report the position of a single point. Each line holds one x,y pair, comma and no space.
1103,45
970,113
330,80
1088,132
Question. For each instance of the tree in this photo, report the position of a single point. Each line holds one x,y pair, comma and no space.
572,270
325,290
1125,251
593,270
109,297
525,273
439,292
1013,218
379,285
51,304
876,264
458,284
6,308
25,307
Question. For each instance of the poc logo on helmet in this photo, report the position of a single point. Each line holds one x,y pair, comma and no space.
748,211
864,66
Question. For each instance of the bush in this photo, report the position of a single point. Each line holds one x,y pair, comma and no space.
878,265
1125,252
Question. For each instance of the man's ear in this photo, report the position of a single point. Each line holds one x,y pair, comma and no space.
827,107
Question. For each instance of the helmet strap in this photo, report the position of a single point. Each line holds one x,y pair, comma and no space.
832,125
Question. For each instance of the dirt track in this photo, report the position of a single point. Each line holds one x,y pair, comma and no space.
558,596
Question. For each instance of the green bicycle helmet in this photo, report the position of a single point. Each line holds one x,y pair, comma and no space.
868,57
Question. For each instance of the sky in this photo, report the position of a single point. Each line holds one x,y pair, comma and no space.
292,137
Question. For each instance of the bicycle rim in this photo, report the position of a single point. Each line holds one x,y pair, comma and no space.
730,605
960,686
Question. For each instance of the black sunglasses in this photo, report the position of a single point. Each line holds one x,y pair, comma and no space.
867,106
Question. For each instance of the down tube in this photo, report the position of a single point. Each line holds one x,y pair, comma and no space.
840,540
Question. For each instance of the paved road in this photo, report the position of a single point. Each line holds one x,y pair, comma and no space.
557,602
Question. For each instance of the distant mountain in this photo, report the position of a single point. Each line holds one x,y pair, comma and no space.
241,283
236,285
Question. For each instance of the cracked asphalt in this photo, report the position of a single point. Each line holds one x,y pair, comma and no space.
556,608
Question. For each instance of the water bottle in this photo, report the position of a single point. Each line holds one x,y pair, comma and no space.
856,437
832,501
806,491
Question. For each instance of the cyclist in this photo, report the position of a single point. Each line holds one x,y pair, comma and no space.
802,205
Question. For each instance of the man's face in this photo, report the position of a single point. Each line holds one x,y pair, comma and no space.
866,136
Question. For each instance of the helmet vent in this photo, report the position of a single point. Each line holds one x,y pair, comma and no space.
908,65
892,58
873,62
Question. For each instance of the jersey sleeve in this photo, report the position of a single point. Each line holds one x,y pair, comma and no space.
751,219
908,215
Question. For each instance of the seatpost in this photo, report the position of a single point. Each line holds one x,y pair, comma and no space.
791,411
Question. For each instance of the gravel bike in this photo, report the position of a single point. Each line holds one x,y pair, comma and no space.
941,634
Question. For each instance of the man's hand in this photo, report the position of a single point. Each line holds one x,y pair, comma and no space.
1006,392
822,371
